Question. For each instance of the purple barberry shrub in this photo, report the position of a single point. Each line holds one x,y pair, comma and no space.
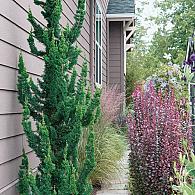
155,134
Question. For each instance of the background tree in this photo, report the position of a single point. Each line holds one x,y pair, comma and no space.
175,25
175,22
61,105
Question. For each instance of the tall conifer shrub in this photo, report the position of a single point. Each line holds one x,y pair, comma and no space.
61,104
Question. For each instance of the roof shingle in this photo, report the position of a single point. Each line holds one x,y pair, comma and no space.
121,7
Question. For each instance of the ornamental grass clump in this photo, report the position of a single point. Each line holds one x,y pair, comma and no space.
61,105
155,134
109,144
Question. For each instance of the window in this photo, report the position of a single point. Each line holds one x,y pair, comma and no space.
98,49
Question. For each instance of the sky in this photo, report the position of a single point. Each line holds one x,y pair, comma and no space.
148,11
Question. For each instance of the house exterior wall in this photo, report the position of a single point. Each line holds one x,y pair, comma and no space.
116,55
14,32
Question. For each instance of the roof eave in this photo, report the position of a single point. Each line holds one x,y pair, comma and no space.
120,17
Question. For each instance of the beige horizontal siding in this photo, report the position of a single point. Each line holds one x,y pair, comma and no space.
115,69
11,148
11,125
9,103
19,24
10,169
10,189
116,55
115,80
115,51
8,78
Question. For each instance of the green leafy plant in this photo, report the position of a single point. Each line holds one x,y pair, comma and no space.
185,173
170,76
188,74
61,104
140,65
180,14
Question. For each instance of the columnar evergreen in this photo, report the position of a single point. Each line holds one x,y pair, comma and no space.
61,104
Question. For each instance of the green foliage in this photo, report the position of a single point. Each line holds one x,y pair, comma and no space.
140,62
171,76
138,69
175,24
188,74
24,176
27,180
185,174
109,150
61,105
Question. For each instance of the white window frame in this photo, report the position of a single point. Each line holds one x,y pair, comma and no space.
98,81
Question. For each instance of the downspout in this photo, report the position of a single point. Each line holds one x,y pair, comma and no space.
92,7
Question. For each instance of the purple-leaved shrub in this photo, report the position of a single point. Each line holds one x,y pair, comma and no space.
155,134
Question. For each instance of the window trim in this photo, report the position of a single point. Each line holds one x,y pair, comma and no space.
98,82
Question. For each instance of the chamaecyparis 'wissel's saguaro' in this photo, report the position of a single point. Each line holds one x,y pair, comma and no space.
61,104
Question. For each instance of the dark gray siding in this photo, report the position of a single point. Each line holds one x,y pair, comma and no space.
14,32
116,55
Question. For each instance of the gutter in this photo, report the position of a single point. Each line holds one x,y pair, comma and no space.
123,16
